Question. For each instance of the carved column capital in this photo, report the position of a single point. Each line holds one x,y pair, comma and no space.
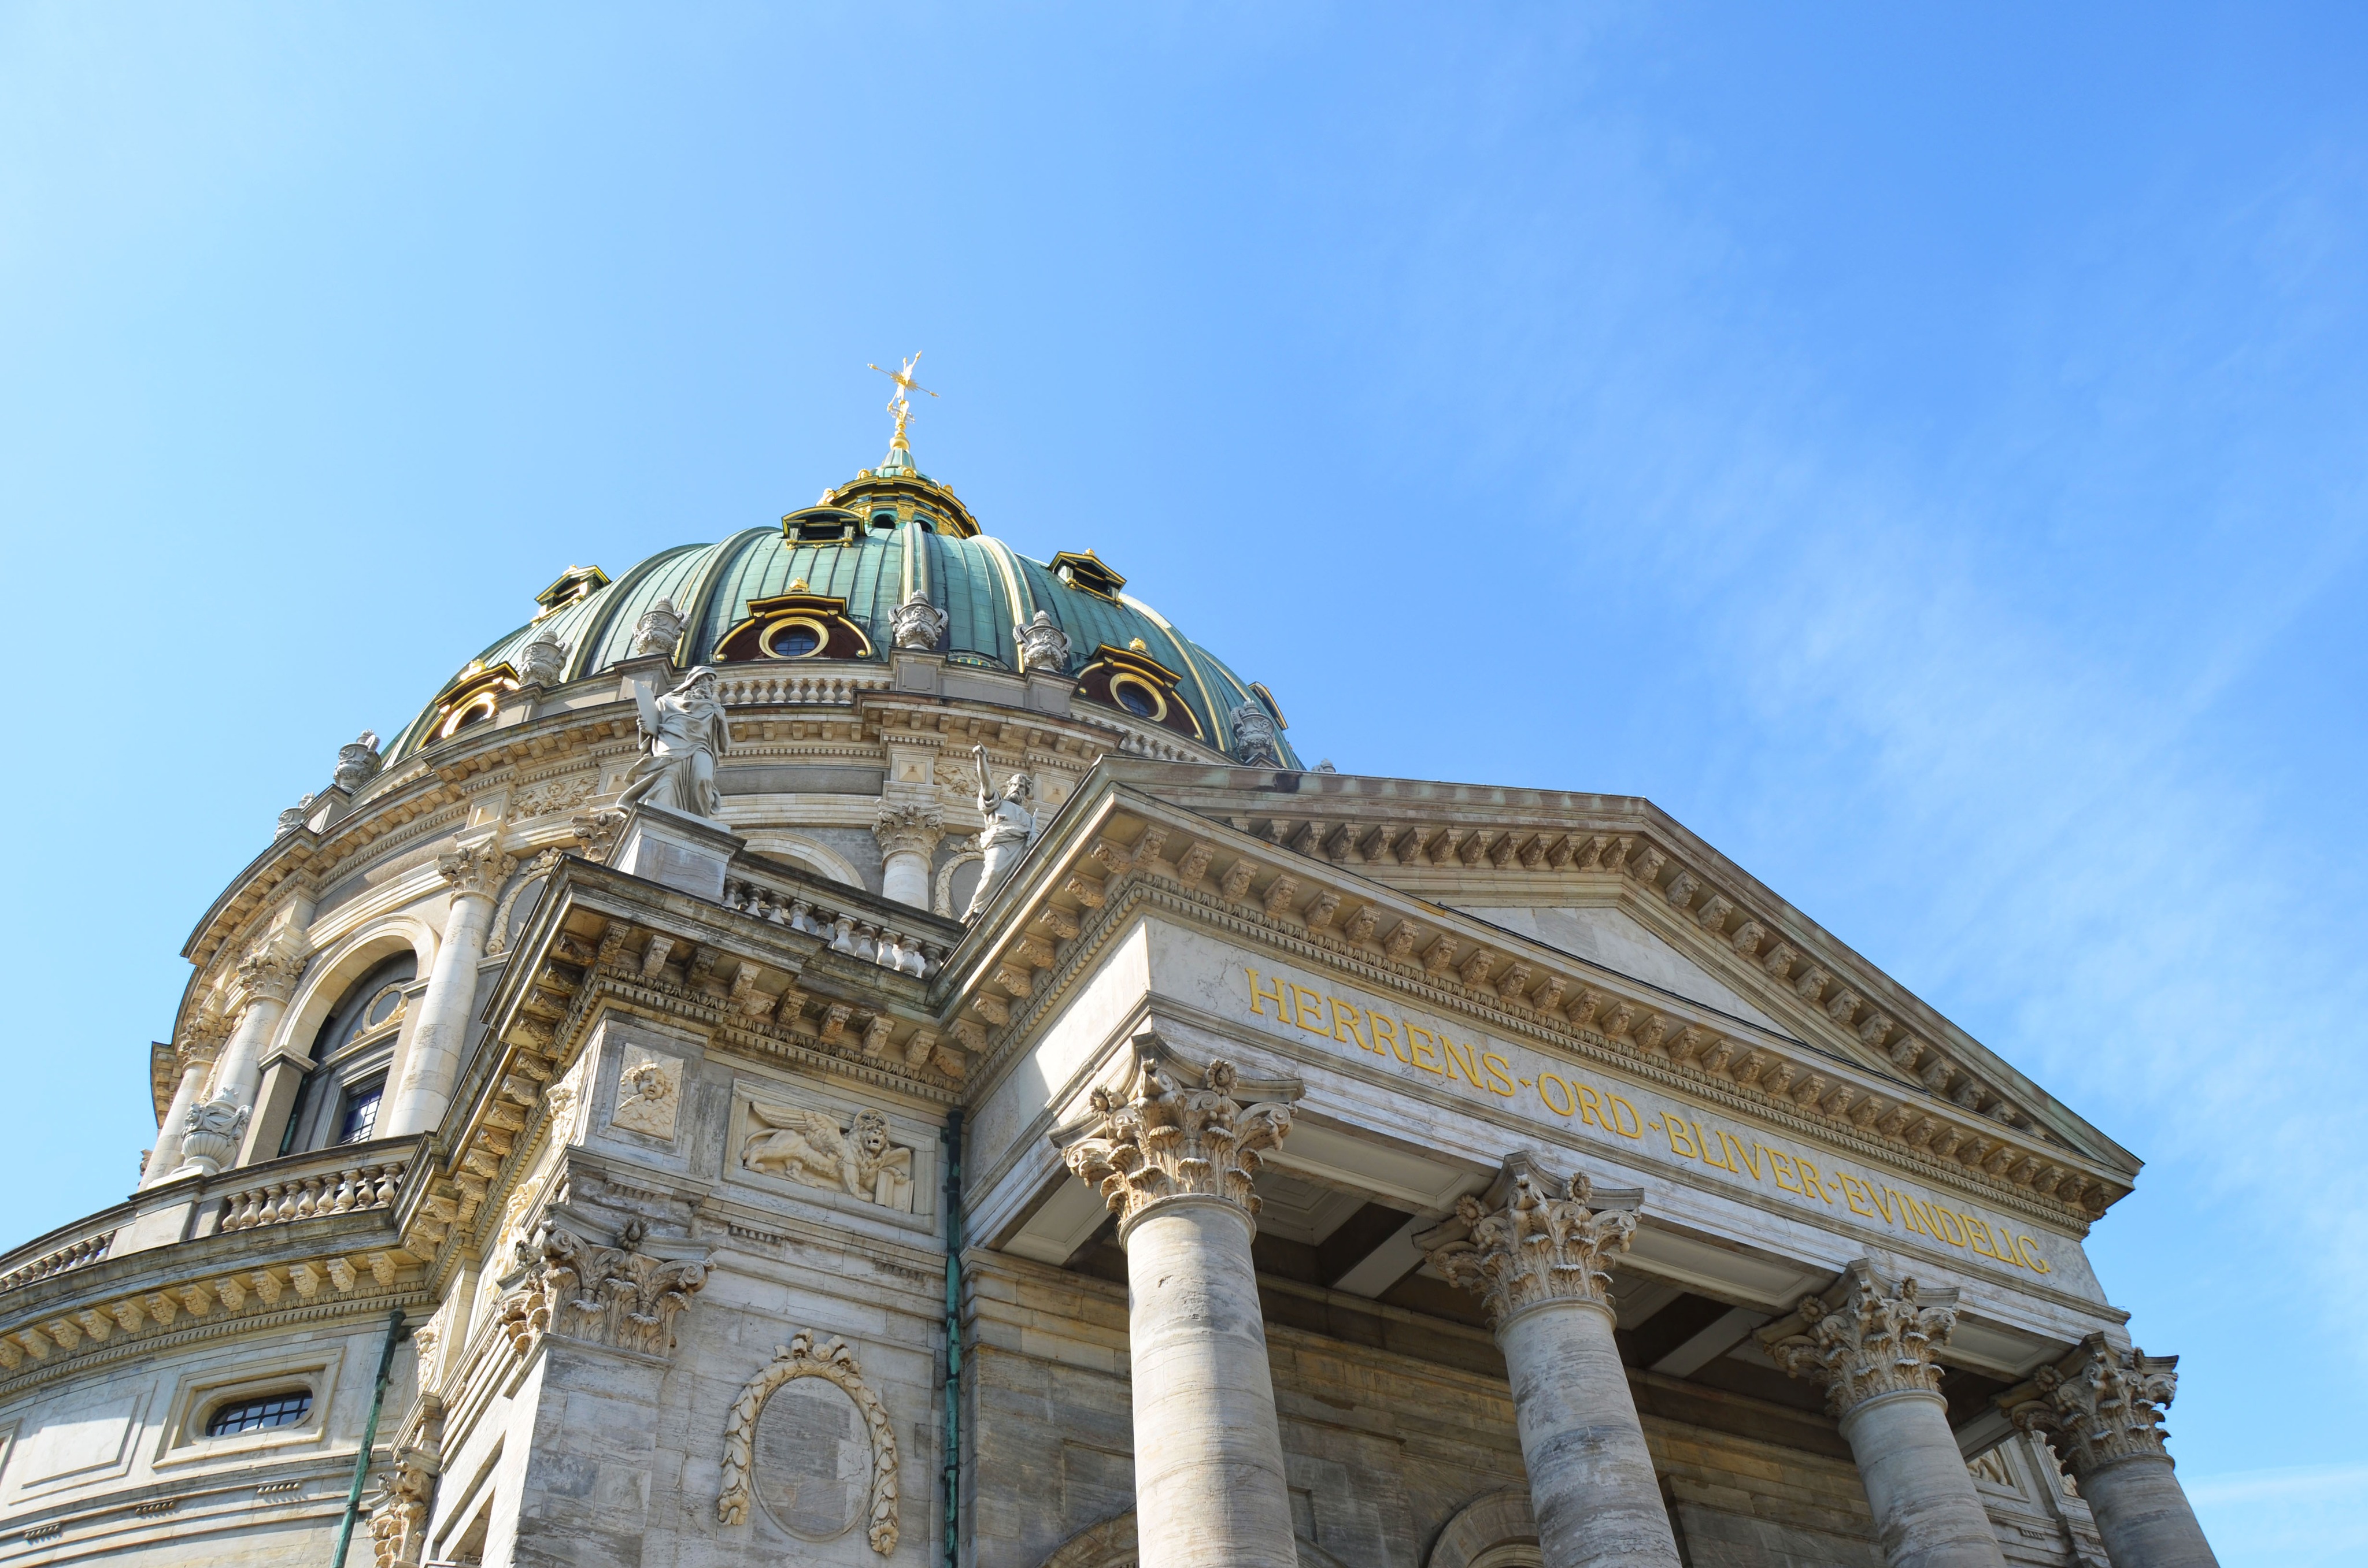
269,974
2098,1406
618,1295
476,871
398,1507
913,830
1159,1137
1863,1338
1535,1238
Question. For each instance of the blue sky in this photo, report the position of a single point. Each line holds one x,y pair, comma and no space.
1919,447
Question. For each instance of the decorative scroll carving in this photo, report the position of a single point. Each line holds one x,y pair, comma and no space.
597,831
835,1361
1537,1239
809,1146
1861,1339
2098,1406
1157,1139
619,1296
399,1508
917,624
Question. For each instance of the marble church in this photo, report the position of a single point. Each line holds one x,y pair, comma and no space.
851,1045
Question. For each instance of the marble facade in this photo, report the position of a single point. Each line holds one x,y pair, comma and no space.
1280,1167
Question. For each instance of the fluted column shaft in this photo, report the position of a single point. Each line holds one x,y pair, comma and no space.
1176,1163
1535,1254
1873,1348
2101,1409
907,836
423,1088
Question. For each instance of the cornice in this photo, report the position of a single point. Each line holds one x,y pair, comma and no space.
1670,1042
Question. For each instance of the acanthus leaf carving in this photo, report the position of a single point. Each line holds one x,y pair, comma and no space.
1865,1339
2098,1406
617,1296
1537,1238
1156,1138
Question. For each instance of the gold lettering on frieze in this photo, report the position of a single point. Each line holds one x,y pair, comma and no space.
1472,1068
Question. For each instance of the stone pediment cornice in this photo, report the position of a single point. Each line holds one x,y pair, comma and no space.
1473,843
1109,854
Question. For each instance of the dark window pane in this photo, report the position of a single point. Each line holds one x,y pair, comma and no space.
254,1414
361,1114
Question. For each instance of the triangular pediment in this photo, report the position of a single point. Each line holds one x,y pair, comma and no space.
1610,936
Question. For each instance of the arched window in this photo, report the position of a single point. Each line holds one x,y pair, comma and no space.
256,1413
339,1101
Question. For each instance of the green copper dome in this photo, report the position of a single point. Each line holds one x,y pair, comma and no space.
873,543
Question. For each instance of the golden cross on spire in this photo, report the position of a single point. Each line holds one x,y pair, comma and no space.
901,405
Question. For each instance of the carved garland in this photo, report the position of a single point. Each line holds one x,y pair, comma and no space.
833,1361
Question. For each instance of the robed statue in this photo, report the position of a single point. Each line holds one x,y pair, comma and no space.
682,734
1010,827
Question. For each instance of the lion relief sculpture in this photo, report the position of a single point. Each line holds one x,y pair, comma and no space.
810,1146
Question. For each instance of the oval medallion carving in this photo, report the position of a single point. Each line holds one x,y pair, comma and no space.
814,1460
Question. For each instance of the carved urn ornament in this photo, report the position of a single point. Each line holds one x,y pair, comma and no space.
1043,647
1254,741
358,762
293,817
655,635
544,661
917,624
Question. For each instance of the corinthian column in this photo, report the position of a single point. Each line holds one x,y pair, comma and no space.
2101,1410
209,1128
1175,1163
423,1083
1873,1348
909,836
1534,1252
198,1046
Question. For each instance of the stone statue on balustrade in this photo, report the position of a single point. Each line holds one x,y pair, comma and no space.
1010,829
682,734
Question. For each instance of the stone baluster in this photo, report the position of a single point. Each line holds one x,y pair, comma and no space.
909,836
1175,1162
2101,1410
1535,1251
424,1080
1873,1348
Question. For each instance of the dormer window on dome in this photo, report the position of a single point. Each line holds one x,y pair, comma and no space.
474,696
1088,573
795,625
1131,681
821,525
575,585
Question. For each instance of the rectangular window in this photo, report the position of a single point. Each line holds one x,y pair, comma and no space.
360,1115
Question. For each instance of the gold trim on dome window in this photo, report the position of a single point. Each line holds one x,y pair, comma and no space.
1087,572
795,625
1131,680
473,696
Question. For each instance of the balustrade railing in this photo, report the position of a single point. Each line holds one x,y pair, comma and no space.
338,1188
767,688
859,936
73,1254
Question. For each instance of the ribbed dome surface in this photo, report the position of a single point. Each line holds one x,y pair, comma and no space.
985,588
